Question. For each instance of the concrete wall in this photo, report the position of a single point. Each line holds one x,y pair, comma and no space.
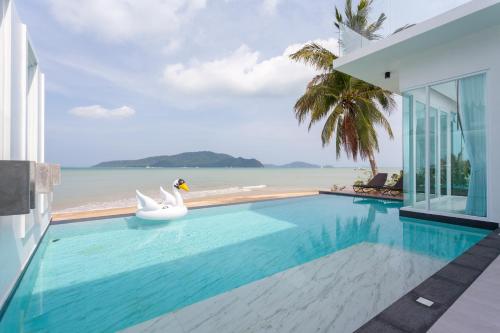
470,54
21,138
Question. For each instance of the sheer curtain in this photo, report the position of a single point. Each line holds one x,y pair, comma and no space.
472,113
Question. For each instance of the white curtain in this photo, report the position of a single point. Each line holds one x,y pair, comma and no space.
472,112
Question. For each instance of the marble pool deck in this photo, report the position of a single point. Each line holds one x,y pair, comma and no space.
335,293
318,296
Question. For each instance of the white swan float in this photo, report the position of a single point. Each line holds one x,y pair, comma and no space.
171,208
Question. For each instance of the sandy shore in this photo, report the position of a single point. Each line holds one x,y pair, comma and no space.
211,201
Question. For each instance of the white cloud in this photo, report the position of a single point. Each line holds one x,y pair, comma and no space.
121,20
243,73
269,6
99,112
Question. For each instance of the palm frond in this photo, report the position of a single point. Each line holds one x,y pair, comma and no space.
358,19
315,55
404,27
329,127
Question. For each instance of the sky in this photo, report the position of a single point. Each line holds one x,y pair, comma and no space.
127,79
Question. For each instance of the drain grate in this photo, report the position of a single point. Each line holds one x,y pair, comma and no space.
425,301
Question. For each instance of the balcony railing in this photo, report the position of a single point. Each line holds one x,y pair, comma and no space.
350,40
400,14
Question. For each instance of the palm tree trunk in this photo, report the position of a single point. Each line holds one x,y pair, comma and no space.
373,164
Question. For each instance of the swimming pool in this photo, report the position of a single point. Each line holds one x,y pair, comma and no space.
356,255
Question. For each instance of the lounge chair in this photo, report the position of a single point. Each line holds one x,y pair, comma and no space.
376,183
394,189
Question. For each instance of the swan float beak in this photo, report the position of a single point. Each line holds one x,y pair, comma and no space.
184,186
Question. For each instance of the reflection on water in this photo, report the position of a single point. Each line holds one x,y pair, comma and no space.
134,222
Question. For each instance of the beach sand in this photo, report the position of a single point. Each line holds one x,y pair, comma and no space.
190,203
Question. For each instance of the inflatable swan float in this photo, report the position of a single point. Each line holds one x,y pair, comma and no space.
171,208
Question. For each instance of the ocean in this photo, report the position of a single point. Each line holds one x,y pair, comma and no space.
85,189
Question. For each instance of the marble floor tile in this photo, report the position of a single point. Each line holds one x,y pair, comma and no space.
336,293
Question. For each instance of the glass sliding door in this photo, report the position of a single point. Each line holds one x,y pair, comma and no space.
443,99
444,158
408,147
445,147
433,152
414,113
420,156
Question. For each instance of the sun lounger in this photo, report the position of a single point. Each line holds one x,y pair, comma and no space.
394,189
376,183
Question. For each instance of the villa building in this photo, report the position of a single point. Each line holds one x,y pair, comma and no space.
447,70
307,263
25,180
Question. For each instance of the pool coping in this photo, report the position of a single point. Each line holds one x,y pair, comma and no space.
362,195
443,289
463,221
191,204
104,217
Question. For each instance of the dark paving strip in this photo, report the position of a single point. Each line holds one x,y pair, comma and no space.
380,326
443,288
467,222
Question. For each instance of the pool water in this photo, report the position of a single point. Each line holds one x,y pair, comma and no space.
109,274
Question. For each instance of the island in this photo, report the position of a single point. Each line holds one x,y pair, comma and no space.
200,159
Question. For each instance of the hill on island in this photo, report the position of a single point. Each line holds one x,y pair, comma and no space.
201,159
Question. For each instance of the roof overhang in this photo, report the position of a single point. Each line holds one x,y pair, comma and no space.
371,62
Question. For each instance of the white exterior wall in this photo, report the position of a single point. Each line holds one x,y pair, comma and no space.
461,57
5,56
21,138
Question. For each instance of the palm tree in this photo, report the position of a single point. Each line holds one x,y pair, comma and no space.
358,20
350,106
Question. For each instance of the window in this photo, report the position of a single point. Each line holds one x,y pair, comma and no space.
445,147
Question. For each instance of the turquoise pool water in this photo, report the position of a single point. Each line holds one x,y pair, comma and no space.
110,274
